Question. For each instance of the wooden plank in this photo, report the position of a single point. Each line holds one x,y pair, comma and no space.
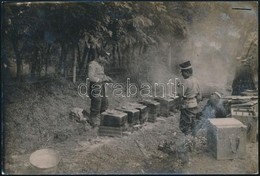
112,128
111,131
110,134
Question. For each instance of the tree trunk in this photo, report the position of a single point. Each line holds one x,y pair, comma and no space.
18,62
65,64
19,69
170,58
114,56
40,64
62,62
46,58
79,53
61,59
132,60
75,65
128,58
141,49
84,60
87,61
119,56
34,63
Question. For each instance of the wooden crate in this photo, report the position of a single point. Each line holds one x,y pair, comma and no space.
113,118
153,109
111,131
245,109
176,104
234,99
143,111
226,138
250,93
252,126
166,104
132,114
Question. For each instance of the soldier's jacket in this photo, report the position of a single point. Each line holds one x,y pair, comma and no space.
191,92
96,72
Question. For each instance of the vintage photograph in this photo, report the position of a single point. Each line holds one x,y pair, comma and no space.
129,87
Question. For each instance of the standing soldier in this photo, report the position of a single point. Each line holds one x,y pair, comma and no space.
191,95
97,93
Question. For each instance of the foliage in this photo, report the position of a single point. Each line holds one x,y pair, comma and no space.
33,29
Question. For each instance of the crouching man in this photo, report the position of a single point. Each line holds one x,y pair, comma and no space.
97,92
191,95
215,107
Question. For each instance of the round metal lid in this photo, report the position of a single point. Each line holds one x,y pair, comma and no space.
44,158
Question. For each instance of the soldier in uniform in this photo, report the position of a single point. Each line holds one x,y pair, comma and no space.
97,93
191,95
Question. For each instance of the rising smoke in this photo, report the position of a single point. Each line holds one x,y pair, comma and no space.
215,39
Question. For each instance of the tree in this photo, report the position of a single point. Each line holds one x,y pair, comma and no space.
127,29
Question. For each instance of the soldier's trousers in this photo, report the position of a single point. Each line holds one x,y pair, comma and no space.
99,101
188,120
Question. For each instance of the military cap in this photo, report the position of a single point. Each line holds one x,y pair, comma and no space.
185,65
217,93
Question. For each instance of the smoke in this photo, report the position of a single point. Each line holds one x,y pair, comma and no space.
213,109
216,39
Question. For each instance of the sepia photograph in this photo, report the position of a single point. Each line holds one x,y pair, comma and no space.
129,87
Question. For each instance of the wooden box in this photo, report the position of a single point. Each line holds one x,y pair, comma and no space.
111,131
226,138
113,118
247,113
132,114
153,109
245,109
251,123
250,93
234,99
143,111
176,104
166,104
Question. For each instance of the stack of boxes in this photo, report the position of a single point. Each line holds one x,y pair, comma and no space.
143,111
247,113
112,123
132,114
167,104
154,109
245,109
227,137
240,99
116,122
250,93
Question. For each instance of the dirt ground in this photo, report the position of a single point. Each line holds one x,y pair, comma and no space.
37,117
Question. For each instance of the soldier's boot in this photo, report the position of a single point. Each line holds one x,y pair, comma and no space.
91,122
94,120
